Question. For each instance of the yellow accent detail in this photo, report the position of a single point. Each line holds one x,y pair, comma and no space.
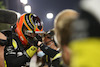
14,43
61,62
57,56
37,28
31,21
46,58
85,52
5,63
31,51
26,24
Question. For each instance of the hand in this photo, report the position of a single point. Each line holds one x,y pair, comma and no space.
39,42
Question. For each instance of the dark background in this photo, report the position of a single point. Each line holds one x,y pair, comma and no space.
42,7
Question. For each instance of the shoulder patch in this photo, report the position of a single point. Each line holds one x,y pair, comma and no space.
14,43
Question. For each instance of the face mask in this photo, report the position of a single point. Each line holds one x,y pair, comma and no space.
40,54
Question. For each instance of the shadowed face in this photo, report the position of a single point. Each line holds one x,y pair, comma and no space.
46,39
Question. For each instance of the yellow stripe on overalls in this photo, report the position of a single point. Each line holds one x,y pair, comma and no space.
46,58
14,44
5,63
57,56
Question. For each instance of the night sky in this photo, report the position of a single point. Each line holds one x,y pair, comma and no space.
42,7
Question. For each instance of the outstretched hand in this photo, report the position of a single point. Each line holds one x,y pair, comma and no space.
39,42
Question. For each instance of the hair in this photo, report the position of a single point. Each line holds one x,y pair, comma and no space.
62,24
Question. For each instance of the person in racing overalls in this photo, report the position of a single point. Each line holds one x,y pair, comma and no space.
21,43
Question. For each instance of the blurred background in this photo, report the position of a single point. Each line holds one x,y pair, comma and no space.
45,9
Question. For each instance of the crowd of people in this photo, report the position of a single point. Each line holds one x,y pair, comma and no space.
73,42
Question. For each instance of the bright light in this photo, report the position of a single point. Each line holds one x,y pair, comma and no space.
27,8
18,15
24,1
49,15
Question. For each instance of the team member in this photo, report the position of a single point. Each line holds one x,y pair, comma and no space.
85,44
62,24
2,39
51,50
6,17
48,40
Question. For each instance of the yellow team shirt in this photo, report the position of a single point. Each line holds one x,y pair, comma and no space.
85,52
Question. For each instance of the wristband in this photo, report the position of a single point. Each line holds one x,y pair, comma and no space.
3,42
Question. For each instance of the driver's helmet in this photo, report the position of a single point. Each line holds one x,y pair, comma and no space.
28,24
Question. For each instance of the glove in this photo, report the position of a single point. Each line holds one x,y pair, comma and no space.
39,38
34,40
3,42
30,51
